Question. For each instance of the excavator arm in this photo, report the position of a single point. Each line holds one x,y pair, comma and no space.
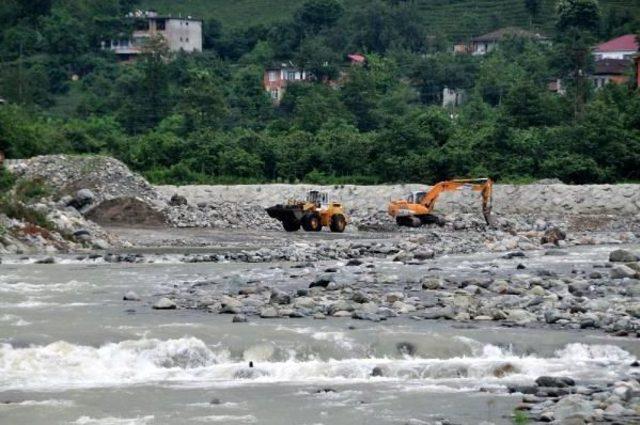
427,202
483,185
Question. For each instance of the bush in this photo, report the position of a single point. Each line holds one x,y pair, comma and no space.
7,180
29,190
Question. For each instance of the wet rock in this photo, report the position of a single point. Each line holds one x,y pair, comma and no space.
279,297
432,283
47,260
322,281
621,271
354,262
239,318
165,304
377,372
515,254
622,256
131,296
269,313
555,381
553,236
406,348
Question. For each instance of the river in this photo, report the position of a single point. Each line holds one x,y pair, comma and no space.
73,352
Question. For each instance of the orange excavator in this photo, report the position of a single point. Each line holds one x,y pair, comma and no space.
416,209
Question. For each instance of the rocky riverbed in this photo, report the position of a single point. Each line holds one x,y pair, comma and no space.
559,261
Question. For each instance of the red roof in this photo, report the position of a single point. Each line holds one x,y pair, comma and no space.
626,42
356,57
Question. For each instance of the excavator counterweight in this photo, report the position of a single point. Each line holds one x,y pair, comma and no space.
416,209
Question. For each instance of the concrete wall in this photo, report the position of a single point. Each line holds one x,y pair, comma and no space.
183,34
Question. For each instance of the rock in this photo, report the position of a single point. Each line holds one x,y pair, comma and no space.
164,304
354,262
239,318
269,313
572,408
47,260
406,348
377,371
622,256
339,306
553,235
555,381
520,316
82,199
322,281
424,254
82,235
177,200
516,254
279,297
432,283
131,296
621,271
360,298
392,297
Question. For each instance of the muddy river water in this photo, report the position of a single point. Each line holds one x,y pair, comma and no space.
73,352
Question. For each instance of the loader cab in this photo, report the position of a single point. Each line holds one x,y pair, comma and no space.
318,198
416,197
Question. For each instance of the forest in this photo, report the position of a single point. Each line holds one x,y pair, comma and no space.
205,118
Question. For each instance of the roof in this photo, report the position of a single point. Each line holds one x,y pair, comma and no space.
627,42
357,57
612,67
501,33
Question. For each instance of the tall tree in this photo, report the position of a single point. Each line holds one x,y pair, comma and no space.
533,8
577,22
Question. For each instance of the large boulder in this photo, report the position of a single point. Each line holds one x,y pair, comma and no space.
622,256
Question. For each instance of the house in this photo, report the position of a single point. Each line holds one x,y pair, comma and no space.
453,97
614,59
611,71
276,79
181,34
624,47
485,43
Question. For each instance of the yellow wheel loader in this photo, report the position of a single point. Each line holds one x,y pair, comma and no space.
312,214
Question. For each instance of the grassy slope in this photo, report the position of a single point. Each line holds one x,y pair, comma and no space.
458,18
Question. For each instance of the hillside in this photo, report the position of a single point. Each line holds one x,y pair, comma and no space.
457,18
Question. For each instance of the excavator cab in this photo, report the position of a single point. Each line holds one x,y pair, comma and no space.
416,197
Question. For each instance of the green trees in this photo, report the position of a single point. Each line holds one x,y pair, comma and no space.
181,118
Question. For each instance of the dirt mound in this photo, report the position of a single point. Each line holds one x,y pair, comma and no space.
126,212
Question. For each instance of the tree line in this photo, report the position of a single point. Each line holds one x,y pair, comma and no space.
205,118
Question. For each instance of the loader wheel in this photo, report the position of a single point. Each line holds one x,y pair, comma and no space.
311,223
338,223
291,226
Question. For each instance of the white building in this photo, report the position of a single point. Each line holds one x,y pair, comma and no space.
483,44
624,47
181,34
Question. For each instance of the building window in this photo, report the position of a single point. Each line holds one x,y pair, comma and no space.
187,23
187,39
161,24
291,75
273,75
180,39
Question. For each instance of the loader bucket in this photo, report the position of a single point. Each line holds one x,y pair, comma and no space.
285,213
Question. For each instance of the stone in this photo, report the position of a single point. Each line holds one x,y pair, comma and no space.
392,297
432,283
269,313
339,306
622,256
572,408
322,281
178,200
239,318
46,260
553,236
131,296
520,316
555,381
165,304
621,271
279,297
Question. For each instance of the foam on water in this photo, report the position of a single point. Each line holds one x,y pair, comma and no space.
140,420
190,360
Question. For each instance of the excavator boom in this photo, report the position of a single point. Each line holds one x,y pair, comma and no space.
416,209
